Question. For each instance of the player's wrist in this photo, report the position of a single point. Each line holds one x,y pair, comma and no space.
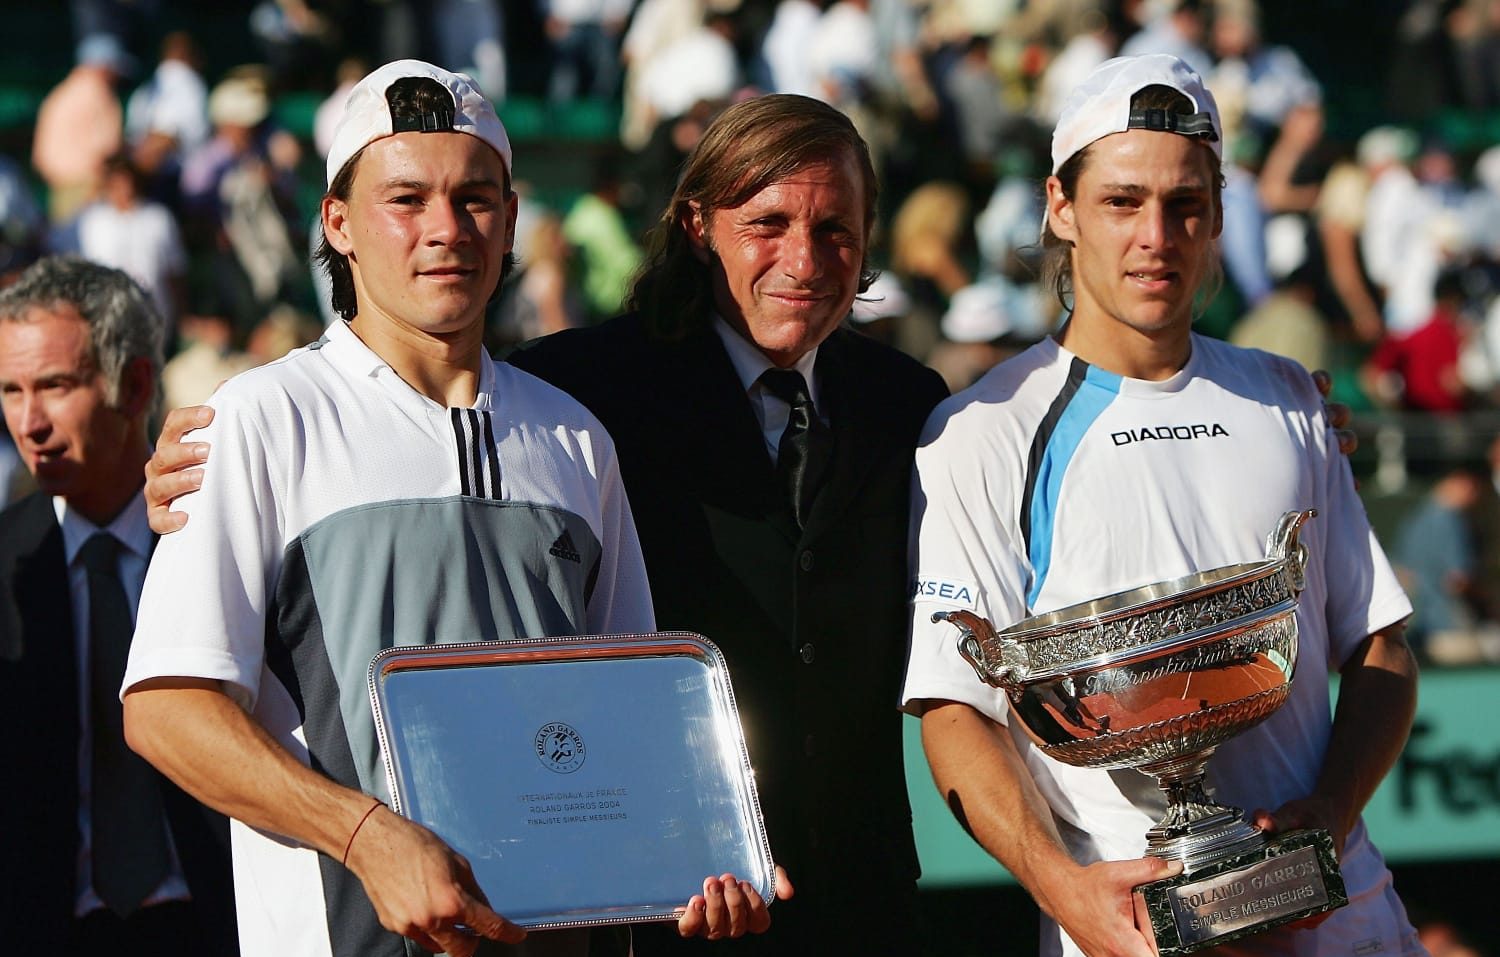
366,836
1053,878
349,845
1339,811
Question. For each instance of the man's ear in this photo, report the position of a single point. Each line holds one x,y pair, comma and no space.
696,228
336,225
137,380
512,206
1060,212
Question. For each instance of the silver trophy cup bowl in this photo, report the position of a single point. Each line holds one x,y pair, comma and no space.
1155,678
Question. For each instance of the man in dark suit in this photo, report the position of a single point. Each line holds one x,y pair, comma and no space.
98,854
773,517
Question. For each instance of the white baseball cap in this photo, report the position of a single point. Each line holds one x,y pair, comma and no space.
1100,105
367,114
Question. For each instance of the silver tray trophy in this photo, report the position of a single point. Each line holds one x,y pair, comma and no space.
1155,679
588,780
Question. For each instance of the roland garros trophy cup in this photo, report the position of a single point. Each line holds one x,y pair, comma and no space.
1155,679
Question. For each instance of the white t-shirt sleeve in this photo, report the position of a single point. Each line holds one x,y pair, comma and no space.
964,555
203,608
621,600
1363,593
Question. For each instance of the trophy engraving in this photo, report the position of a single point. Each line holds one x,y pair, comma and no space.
1155,679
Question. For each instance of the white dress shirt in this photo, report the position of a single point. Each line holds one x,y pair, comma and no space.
770,411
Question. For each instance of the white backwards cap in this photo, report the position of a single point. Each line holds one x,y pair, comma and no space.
367,114
1100,105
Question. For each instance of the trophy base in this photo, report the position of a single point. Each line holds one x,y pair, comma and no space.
1294,875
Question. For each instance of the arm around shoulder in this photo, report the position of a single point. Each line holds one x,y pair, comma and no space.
174,469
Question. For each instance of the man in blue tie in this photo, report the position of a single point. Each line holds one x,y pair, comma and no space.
100,853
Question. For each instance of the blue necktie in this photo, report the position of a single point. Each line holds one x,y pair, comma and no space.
129,852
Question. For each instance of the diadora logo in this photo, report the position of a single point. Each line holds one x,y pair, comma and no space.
949,591
559,747
564,548
1157,433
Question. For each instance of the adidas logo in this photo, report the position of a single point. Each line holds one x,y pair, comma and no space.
564,548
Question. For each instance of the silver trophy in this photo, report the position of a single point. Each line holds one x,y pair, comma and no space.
587,779
1155,679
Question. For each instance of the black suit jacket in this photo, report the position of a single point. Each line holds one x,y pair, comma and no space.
39,753
813,623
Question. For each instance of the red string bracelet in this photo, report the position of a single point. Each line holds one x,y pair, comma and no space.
378,803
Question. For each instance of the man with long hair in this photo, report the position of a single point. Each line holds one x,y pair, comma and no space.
767,449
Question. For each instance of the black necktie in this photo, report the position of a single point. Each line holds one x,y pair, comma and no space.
803,453
129,851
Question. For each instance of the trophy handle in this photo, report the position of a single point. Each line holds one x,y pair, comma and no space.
1282,545
975,635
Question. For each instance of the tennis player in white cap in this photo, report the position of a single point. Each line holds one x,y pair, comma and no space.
391,484
1125,450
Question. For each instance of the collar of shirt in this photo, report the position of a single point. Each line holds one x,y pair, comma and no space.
130,527
349,353
749,362
133,531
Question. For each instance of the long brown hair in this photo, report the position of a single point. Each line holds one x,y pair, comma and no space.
751,145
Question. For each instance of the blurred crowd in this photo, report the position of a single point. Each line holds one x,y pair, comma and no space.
1375,254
